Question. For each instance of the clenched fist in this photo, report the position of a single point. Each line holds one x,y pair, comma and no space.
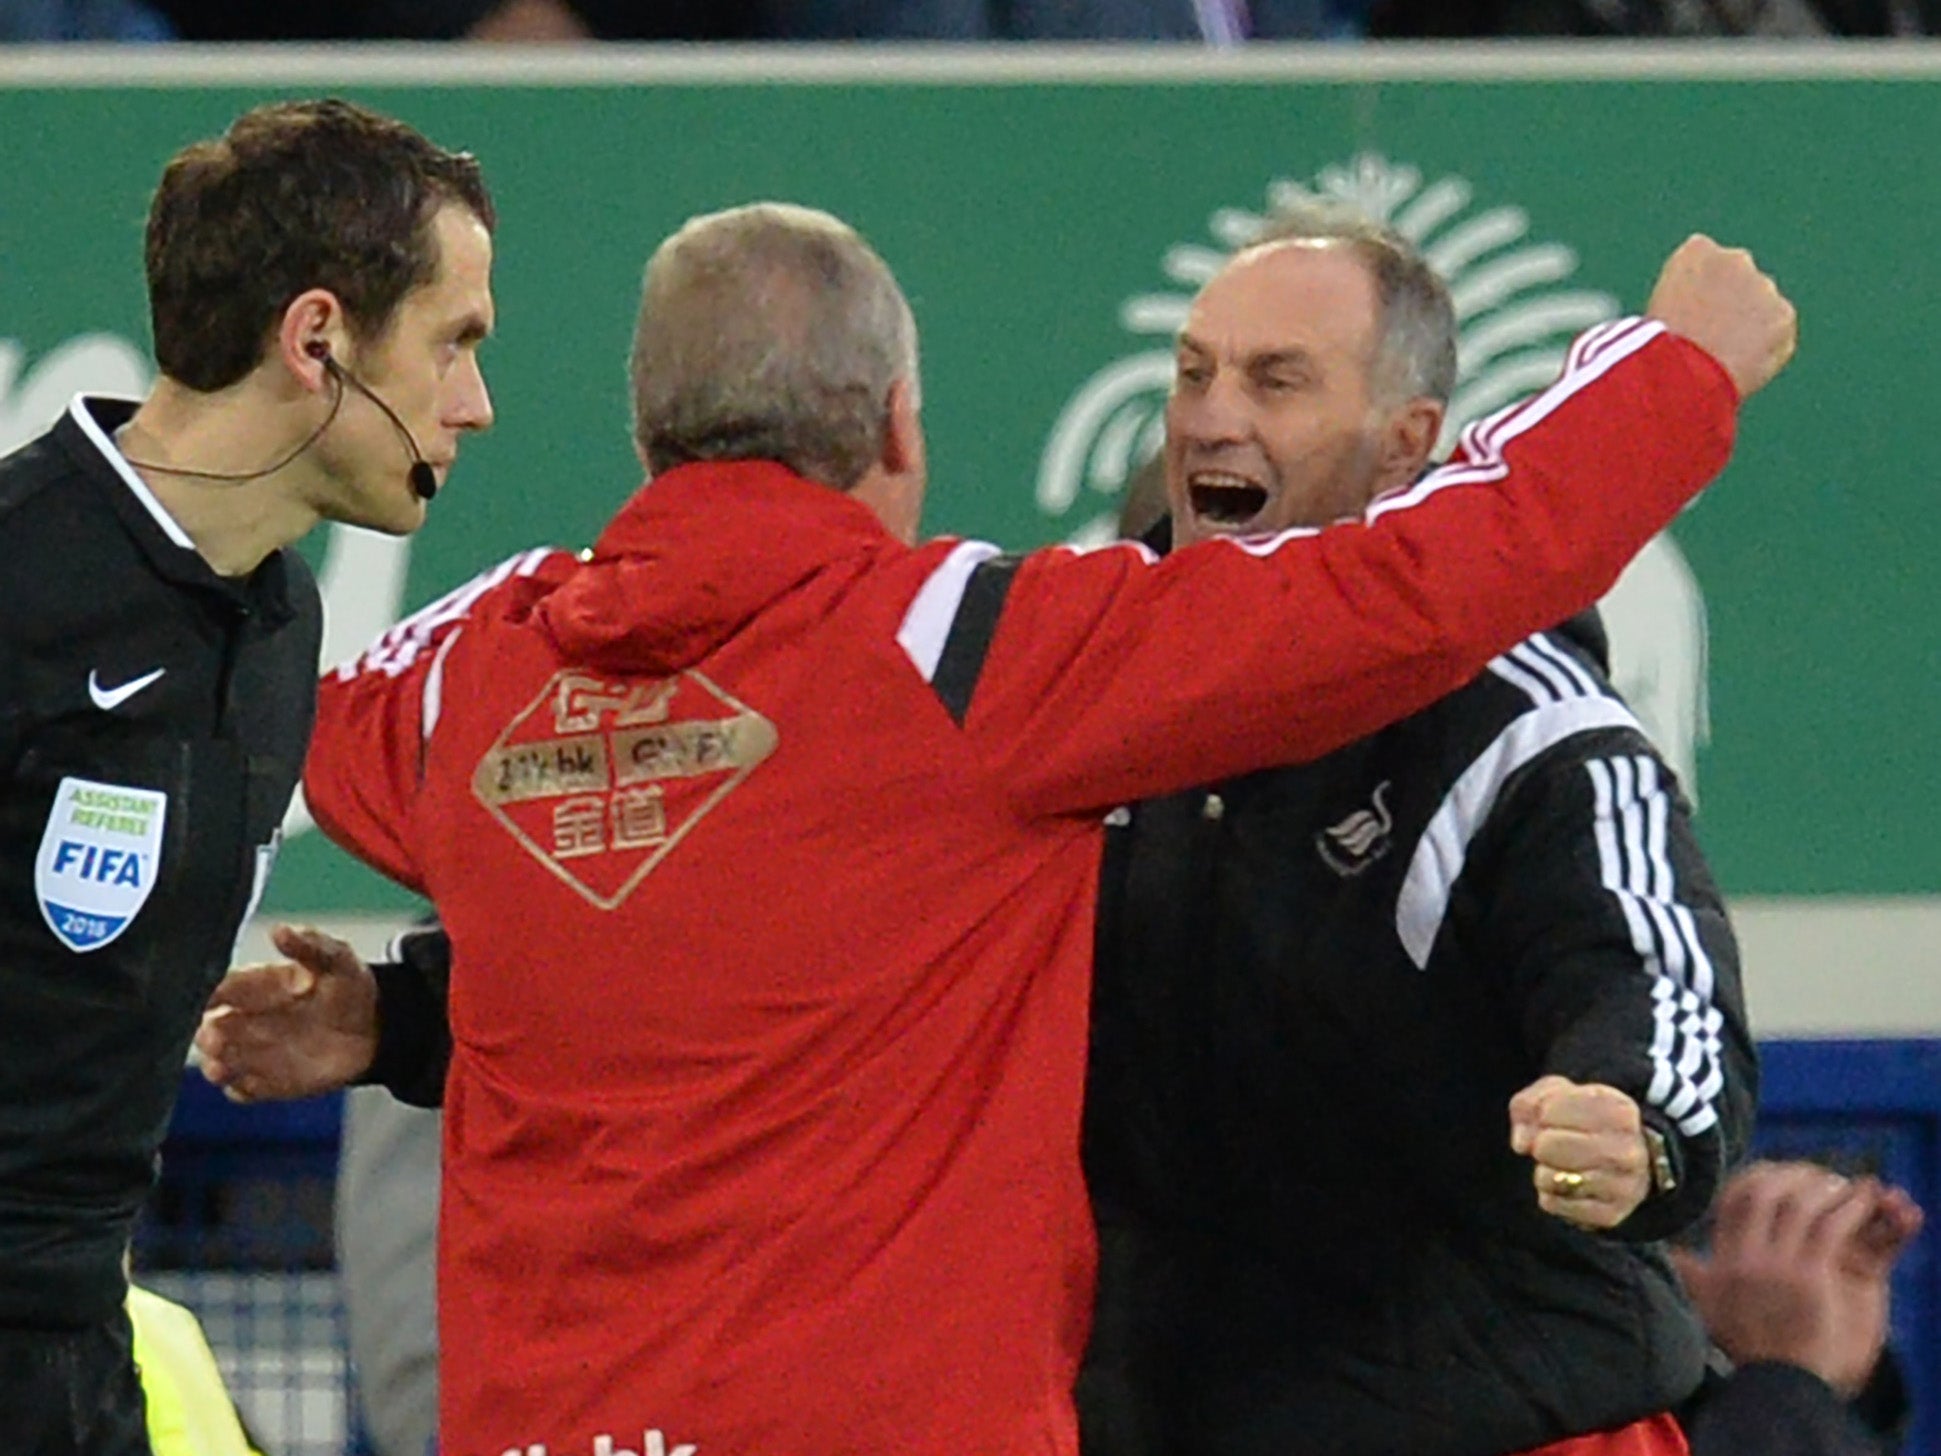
1587,1140
1720,300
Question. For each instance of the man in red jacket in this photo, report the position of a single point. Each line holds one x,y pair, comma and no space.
768,842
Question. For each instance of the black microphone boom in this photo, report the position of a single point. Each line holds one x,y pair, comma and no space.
423,479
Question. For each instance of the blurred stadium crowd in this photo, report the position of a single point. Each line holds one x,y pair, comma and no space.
1218,22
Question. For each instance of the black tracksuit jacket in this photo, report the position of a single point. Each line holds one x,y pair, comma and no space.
132,675
1318,989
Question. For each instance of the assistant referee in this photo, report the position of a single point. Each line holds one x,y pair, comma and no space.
318,283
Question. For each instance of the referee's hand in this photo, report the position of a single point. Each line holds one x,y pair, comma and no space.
292,1028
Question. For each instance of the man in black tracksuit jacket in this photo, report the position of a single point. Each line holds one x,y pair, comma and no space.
158,656
1318,989
1321,990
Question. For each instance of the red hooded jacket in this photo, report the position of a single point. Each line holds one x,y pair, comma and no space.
768,849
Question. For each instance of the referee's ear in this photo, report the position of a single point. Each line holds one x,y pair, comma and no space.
312,331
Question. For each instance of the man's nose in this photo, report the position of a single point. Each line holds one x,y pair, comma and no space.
1214,415
472,409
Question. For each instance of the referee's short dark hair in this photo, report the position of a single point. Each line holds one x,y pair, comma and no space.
294,196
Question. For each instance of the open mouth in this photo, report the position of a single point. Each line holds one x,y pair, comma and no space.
1225,500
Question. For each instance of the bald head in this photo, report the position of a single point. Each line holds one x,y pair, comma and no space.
769,332
1415,321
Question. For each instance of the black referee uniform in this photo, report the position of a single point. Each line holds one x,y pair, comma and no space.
153,722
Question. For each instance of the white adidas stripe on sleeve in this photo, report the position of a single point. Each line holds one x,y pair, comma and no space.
1632,813
399,647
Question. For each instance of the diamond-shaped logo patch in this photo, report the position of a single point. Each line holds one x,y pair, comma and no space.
599,781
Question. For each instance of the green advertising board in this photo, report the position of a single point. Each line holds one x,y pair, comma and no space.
1049,216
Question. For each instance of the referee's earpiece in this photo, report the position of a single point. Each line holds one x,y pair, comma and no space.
316,349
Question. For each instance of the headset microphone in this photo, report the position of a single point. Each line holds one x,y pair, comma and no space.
423,479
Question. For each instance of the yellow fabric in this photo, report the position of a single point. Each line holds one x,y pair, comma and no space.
189,1411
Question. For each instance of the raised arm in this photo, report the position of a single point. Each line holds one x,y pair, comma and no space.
1095,678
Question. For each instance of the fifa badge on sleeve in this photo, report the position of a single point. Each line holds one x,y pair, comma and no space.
98,859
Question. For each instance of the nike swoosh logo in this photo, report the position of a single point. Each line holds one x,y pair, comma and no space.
108,698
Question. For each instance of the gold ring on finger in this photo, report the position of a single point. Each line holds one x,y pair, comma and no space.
1567,1185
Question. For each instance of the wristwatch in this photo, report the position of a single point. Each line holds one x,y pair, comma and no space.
1658,1152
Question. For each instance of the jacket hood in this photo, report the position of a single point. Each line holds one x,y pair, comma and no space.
694,555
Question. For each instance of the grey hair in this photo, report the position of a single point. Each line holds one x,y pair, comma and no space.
769,332
1415,355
